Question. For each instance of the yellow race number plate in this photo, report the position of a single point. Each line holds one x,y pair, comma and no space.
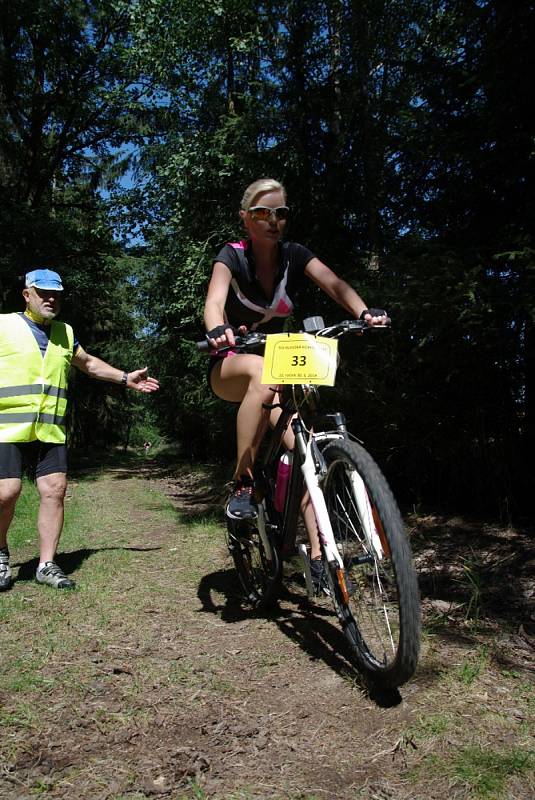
300,358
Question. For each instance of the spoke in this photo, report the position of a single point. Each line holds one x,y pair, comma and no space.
345,516
387,621
384,604
375,611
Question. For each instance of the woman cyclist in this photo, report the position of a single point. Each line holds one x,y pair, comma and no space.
253,286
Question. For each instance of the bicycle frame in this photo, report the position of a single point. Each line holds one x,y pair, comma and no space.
306,473
366,560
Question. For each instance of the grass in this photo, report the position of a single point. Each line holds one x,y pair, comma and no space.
483,772
469,743
133,653
434,724
23,528
101,543
472,582
110,533
471,669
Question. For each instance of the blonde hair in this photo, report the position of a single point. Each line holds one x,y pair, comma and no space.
260,187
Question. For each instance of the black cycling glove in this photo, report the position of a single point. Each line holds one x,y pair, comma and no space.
219,330
375,312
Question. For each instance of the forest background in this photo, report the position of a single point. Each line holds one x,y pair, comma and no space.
404,132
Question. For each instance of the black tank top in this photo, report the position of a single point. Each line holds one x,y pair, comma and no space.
246,302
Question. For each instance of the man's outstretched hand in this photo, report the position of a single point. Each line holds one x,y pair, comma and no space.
141,381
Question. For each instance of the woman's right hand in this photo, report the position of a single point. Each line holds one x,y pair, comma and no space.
220,336
224,336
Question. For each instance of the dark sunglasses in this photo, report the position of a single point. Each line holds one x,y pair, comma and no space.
264,213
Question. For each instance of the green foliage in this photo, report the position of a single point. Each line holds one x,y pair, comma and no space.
403,133
470,670
384,126
67,105
472,581
146,428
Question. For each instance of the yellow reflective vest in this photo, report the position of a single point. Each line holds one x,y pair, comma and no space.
33,389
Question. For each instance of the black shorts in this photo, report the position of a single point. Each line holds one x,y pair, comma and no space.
214,361
34,458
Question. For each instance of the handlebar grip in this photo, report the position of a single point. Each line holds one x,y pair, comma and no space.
386,324
203,347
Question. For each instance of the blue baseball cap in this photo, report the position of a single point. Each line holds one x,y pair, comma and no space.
44,279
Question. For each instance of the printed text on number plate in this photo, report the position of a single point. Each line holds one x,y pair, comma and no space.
300,358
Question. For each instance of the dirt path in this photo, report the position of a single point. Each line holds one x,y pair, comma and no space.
153,681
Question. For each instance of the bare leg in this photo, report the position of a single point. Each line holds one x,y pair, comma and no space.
252,417
309,518
52,490
9,494
307,510
237,379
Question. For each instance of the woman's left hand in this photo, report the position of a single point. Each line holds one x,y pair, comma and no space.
375,316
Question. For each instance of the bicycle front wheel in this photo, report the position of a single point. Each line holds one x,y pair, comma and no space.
379,608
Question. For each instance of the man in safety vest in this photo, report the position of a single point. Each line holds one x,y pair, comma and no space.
36,352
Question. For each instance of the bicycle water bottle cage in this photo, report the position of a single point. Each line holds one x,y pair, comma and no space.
313,324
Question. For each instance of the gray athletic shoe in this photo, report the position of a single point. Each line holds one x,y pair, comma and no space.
5,572
54,576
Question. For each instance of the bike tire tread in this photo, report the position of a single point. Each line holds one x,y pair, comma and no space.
404,665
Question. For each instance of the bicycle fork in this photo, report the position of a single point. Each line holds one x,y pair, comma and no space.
309,468
371,525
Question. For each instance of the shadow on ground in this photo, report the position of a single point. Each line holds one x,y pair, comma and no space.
69,562
471,572
475,569
310,625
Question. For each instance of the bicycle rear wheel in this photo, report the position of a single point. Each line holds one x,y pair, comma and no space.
255,556
380,609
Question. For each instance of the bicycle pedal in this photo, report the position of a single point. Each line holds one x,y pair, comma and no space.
236,541
358,561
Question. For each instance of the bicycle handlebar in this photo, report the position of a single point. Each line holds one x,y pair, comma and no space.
252,340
